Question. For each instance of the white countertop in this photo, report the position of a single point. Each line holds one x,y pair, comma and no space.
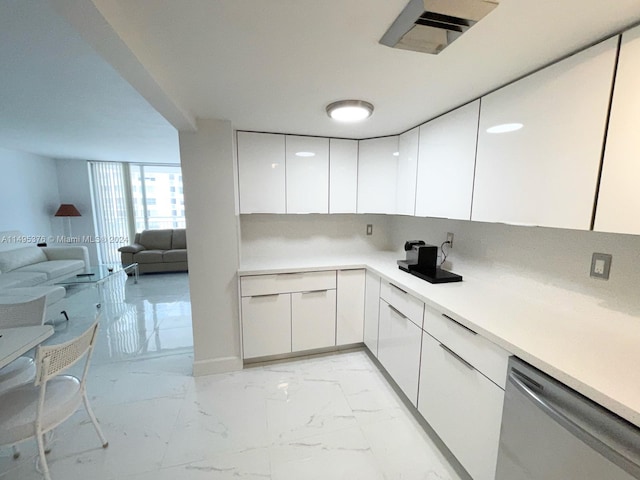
572,337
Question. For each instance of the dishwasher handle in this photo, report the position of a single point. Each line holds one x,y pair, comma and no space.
522,384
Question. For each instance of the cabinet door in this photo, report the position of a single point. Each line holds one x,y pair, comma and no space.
462,406
618,200
350,307
371,308
407,171
377,175
446,162
546,172
266,325
343,175
399,349
313,320
307,174
261,172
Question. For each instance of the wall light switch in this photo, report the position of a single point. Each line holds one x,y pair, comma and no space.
369,229
600,265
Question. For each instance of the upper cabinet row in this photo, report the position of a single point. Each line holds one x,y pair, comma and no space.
427,171
530,153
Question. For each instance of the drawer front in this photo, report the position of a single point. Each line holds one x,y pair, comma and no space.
462,406
266,325
484,355
253,285
399,349
371,309
404,302
313,320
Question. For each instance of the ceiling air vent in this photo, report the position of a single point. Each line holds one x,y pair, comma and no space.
429,26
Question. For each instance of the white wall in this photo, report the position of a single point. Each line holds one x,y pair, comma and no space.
550,256
298,236
75,188
212,234
29,195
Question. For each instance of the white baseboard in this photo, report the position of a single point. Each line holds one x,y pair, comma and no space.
216,365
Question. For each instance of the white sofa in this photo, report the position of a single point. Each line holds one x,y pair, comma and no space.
28,272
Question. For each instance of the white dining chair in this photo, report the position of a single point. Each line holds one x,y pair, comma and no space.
35,409
31,313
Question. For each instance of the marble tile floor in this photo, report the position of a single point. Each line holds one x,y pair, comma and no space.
324,417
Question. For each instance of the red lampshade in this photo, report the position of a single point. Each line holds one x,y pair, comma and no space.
67,210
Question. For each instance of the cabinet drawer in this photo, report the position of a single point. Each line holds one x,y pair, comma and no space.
266,325
313,320
399,349
254,285
484,355
462,406
402,301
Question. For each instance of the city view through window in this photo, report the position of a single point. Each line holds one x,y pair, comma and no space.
157,197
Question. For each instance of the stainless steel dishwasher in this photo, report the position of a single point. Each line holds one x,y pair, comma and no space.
551,432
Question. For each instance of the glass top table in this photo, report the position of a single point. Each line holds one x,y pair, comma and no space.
97,274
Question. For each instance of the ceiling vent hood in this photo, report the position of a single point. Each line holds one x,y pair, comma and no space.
429,26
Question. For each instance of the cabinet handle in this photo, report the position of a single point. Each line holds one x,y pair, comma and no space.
457,357
398,312
459,324
265,295
314,291
397,287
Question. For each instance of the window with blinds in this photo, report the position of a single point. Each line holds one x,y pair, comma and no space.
110,184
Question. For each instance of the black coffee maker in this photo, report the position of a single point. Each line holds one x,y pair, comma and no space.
422,261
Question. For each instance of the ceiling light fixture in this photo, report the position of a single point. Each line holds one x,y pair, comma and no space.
396,154
305,154
349,110
505,128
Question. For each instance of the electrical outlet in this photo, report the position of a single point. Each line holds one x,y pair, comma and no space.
450,239
600,265
369,229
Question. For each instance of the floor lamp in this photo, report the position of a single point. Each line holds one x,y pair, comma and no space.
67,210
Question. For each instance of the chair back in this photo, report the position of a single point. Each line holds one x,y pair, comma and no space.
26,314
54,359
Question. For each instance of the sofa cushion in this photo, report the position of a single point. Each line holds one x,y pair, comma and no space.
171,256
179,240
156,239
22,279
148,256
26,294
13,259
54,268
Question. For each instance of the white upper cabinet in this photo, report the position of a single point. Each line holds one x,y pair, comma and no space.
407,171
343,175
307,174
261,172
546,172
446,164
618,201
377,175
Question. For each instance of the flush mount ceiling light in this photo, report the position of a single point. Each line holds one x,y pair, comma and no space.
505,128
305,154
350,110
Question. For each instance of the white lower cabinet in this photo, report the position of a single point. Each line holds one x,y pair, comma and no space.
371,308
462,406
350,306
313,320
399,345
266,325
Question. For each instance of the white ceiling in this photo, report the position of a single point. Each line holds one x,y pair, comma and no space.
59,98
265,65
